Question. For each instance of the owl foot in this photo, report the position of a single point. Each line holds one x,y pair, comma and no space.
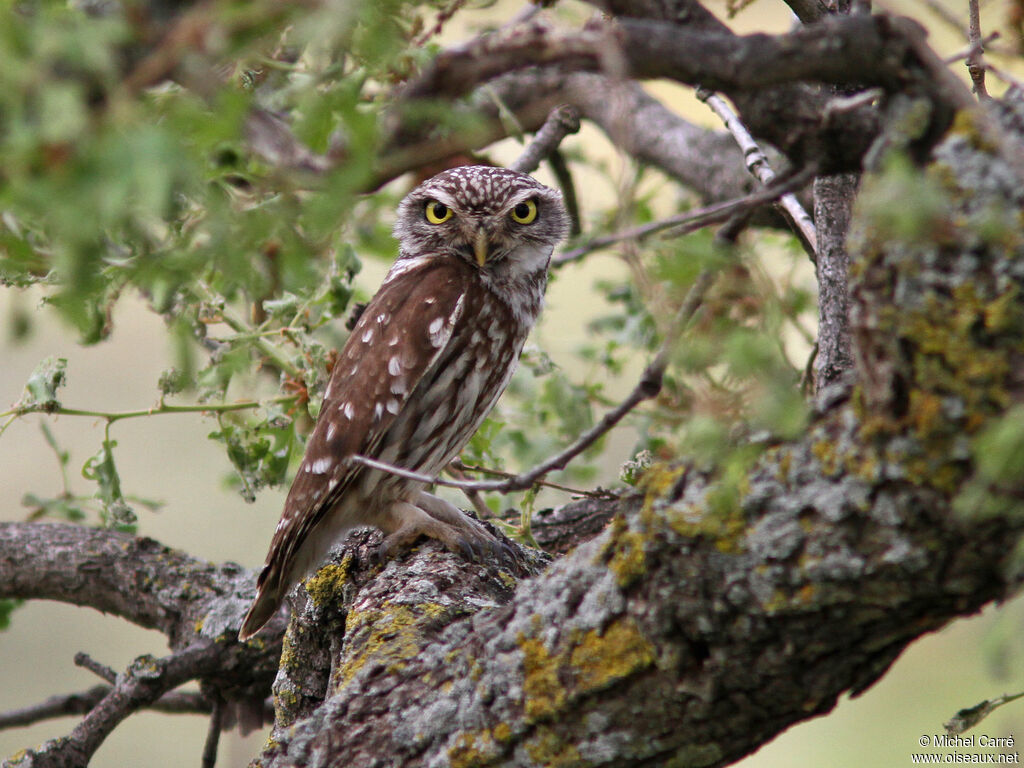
446,512
430,516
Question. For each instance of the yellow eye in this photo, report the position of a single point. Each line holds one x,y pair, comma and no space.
437,213
525,212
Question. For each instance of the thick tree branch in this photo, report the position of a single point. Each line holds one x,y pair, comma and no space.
142,581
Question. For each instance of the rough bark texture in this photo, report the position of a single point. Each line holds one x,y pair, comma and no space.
833,198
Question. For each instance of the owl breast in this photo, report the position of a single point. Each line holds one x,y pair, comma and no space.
449,403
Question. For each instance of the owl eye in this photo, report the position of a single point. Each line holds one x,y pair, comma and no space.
437,213
525,212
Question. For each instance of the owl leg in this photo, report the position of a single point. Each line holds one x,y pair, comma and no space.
439,509
403,523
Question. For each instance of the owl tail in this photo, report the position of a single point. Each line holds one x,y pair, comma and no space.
269,594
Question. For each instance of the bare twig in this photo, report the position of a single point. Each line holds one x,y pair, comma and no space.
102,671
965,719
55,706
561,170
209,759
560,123
975,65
647,388
63,705
964,53
686,222
757,163
145,681
947,17
597,493
475,499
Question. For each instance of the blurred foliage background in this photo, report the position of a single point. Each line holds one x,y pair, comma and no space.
171,301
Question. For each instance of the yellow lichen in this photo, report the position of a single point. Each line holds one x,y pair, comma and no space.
657,480
544,694
471,749
625,553
547,748
586,662
389,636
602,658
326,584
478,748
720,520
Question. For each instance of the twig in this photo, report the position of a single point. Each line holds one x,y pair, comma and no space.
965,719
594,494
561,122
964,53
689,221
102,671
213,733
145,681
947,17
647,388
63,705
157,410
1005,76
975,65
483,511
561,170
55,706
757,163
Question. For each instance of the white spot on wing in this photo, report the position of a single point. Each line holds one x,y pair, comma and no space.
321,465
394,366
368,335
392,406
331,429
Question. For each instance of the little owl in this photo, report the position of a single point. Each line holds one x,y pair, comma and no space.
423,367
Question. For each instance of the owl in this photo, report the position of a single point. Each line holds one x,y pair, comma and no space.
422,368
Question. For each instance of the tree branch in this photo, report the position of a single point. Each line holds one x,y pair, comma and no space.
146,680
690,221
757,163
174,703
560,123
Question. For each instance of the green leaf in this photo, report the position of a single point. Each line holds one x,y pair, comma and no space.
42,385
101,469
7,607
999,449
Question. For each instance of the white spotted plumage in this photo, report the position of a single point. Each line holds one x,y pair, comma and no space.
425,363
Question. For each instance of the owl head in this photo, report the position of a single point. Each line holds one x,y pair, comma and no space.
494,218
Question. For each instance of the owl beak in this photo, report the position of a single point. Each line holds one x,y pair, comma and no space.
480,246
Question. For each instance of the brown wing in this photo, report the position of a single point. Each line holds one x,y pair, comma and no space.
399,336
